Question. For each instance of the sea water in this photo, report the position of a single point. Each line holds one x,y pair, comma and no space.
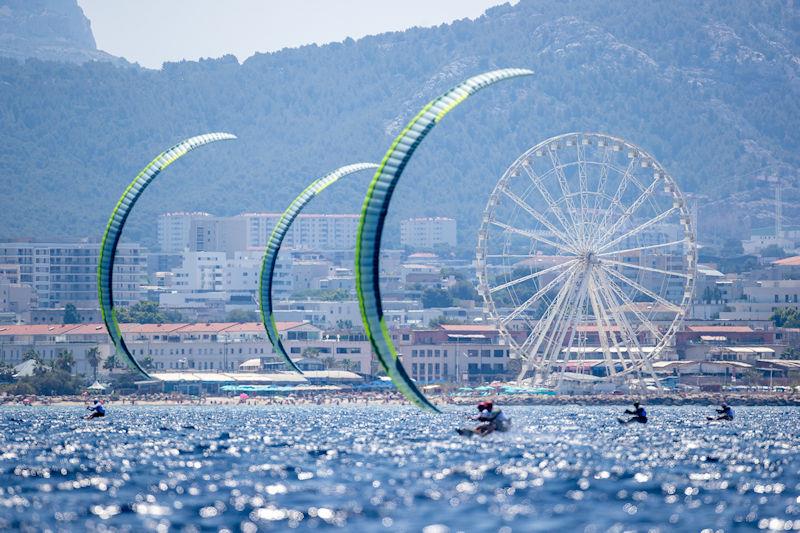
384,468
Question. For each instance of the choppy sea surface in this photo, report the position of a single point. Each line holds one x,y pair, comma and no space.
380,468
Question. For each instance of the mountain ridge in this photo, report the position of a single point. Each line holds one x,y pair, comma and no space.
711,92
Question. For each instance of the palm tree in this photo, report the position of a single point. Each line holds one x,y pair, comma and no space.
64,361
110,363
93,359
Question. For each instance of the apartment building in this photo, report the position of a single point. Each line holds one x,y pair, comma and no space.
66,273
426,233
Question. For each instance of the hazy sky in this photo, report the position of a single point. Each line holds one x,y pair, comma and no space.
150,32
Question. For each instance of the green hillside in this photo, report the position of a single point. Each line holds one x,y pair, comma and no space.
710,88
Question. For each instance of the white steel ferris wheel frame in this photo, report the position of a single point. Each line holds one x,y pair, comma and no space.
591,241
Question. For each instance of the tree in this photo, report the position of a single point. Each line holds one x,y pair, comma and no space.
32,354
147,313
344,324
329,362
463,290
64,361
242,315
434,297
110,363
773,250
786,317
71,315
347,364
147,362
732,247
93,359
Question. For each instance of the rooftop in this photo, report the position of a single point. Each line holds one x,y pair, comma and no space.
720,329
788,261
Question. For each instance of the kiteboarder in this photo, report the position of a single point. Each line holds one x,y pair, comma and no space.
638,412
97,410
725,412
493,420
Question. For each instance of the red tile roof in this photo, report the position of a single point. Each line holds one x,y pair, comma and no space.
468,327
788,261
149,328
38,329
720,329
96,328
206,327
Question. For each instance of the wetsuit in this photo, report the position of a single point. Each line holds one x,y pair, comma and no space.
496,420
639,415
726,413
97,411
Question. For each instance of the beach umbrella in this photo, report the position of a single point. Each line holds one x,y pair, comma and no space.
243,396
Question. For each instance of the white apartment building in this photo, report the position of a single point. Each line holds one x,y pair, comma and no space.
174,230
762,298
66,273
201,346
428,232
308,232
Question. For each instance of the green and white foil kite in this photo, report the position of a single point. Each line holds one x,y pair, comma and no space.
108,249
274,246
373,214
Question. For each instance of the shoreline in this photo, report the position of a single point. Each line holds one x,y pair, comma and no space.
703,399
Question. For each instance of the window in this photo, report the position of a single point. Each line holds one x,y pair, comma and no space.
498,353
472,353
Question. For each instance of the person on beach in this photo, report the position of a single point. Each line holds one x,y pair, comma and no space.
493,419
725,412
97,410
639,414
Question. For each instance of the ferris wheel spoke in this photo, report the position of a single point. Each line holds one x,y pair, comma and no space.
551,203
553,338
536,297
641,227
532,235
630,304
567,194
616,340
570,325
616,200
600,191
544,323
626,215
539,217
647,292
644,359
534,275
645,268
628,337
578,319
642,248
599,317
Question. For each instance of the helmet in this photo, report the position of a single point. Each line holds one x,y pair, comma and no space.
485,406
96,400
636,404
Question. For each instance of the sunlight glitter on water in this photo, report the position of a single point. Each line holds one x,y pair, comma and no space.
381,468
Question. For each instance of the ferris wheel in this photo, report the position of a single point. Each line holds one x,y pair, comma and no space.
586,258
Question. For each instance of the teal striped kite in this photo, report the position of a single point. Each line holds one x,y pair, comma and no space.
108,248
373,214
274,246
